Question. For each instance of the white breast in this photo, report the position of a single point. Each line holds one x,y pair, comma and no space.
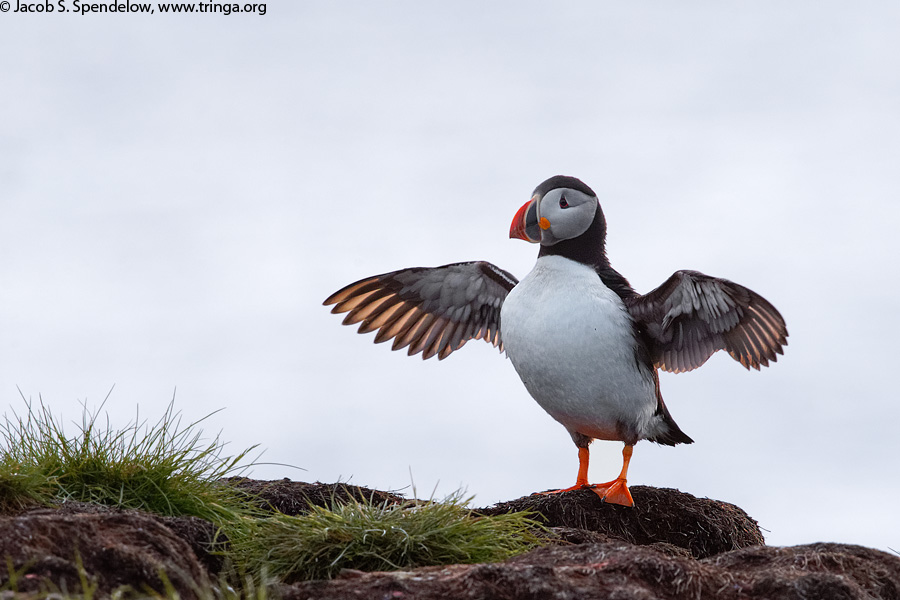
570,338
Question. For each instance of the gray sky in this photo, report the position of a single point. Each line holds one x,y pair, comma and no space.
180,193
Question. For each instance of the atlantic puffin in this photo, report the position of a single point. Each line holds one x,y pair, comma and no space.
586,345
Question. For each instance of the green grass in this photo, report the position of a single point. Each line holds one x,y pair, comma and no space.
165,468
169,468
378,537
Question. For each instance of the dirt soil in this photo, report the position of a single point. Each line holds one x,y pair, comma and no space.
671,545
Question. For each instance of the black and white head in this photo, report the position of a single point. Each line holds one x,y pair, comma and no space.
561,208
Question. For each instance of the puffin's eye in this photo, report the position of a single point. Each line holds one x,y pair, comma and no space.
562,202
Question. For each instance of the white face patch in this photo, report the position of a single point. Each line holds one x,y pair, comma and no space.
569,213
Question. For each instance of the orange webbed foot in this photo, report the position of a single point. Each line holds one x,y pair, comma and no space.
614,492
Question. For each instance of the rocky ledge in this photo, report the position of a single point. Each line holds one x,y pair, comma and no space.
671,545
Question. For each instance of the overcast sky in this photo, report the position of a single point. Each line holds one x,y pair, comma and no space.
178,194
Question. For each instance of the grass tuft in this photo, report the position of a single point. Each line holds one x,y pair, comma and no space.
369,536
164,468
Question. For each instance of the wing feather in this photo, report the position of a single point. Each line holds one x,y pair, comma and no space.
403,339
373,302
377,318
396,323
416,335
360,294
426,345
443,342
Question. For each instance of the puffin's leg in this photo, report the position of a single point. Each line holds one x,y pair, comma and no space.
581,481
616,491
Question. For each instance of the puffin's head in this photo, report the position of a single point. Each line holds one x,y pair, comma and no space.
561,208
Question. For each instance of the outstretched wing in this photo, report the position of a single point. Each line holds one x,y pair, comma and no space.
432,310
692,315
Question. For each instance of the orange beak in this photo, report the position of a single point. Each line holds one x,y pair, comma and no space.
525,224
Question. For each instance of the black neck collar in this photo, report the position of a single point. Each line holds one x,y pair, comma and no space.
589,249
